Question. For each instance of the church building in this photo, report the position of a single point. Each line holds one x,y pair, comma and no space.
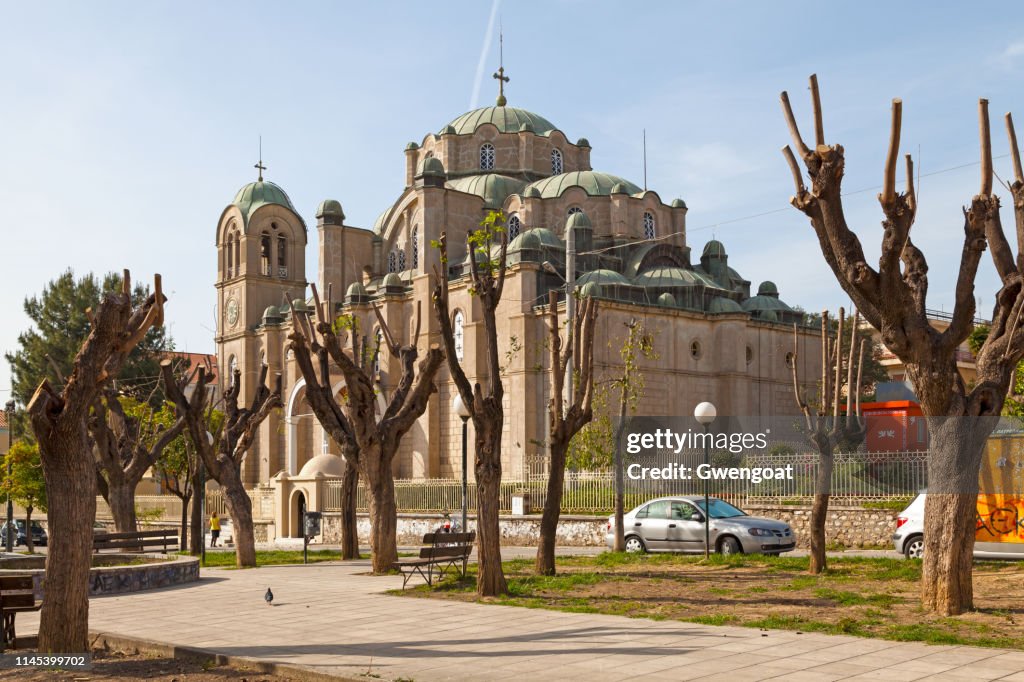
716,337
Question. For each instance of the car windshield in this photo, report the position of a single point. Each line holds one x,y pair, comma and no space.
720,509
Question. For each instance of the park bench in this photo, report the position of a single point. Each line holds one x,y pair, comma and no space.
165,540
440,552
16,595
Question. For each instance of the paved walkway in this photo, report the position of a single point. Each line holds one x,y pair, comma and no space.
333,618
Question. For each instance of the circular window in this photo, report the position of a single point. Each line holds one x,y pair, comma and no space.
696,350
750,355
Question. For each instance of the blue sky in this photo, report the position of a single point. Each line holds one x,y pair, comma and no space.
126,127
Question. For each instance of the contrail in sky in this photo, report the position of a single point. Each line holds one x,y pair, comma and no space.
477,82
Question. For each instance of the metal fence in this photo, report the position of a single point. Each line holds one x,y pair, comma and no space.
168,507
856,478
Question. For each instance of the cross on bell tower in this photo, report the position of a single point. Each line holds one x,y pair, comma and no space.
500,74
259,164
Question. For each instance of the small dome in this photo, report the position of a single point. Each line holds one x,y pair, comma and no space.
301,305
667,300
619,188
678,203
583,142
493,188
392,280
411,146
355,289
525,240
714,249
768,289
594,183
531,192
526,127
602,276
768,316
326,465
448,130
262,193
577,220
720,304
330,207
272,315
588,289
430,166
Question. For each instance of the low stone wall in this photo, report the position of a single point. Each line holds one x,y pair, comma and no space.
161,571
847,526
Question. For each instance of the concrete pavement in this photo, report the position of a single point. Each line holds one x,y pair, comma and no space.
334,619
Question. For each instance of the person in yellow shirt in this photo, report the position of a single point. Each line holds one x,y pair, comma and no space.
214,529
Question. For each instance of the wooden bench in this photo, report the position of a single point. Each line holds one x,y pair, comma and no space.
16,595
440,552
163,540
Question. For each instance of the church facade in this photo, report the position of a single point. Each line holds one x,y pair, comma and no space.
715,337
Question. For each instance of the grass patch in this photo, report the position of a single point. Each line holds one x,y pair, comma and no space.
271,557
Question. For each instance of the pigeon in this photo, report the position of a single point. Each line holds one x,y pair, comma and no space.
269,597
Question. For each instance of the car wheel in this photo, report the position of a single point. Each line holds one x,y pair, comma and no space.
635,545
729,545
913,548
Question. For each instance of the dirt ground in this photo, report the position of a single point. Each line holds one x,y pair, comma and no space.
113,665
866,597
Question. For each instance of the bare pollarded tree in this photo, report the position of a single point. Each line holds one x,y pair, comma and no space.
59,423
892,298
566,420
368,440
828,426
223,450
127,445
487,280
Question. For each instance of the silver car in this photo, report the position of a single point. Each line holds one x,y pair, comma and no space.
676,524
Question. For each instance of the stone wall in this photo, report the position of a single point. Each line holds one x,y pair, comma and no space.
847,526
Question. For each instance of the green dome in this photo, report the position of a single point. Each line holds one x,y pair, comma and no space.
668,276
505,119
330,207
678,203
768,289
577,220
411,146
667,300
525,240
765,303
593,183
430,166
601,277
583,142
392,280
714,249
355,289
271,315
257,194
588,289
720,304
382,220
620,188
493,188
531,192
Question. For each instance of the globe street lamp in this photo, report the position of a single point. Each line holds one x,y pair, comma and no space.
460,409
705,413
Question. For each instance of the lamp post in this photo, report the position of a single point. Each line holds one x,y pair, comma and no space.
705,413
9,539
460,409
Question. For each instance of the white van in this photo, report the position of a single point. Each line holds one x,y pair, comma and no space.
998,535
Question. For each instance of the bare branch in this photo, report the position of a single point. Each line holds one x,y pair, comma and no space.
819,127
1018,174
889,181
794,168
794,130
986,148
911,192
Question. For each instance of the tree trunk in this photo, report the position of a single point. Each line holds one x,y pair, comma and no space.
620,477
950,514
122,505
29,545
349,526
490,579
71,491
819,509
195,547
240,508
552,510
380,486
183,540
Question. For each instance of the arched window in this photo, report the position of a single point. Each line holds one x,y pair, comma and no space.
392,261
401,260
487,156
514,227
265,255
556,162
458,332
238,252
415,248
229,257
574,210
648,225
282,258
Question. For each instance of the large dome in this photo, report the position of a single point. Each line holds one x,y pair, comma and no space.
594,183
505,119
261,193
